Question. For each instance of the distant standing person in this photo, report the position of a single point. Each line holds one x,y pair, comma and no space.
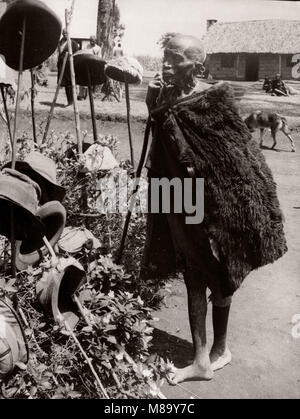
62,51
94,47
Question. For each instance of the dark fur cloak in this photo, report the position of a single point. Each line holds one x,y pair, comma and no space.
242,212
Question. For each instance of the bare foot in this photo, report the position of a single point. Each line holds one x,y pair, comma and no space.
220,360
191,373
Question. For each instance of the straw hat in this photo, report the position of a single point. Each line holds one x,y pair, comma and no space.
53,217
43,29
87,64
57,287
19,192
42,170
125,70
13,344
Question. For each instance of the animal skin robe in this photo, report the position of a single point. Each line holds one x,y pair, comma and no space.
242,212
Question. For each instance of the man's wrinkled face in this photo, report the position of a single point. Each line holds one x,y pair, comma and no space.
176,66
180,58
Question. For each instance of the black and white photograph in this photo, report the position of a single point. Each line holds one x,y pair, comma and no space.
149,202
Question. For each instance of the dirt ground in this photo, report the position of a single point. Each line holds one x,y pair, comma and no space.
266,358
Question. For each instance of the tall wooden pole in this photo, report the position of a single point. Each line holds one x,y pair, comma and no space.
68,16
91,97
14,150
32,105
55,98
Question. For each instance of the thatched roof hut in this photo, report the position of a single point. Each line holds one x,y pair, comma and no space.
249,50
255,36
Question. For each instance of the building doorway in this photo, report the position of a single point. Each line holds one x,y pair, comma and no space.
252,67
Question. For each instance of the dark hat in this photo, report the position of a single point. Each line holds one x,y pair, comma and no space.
43,29
13,343
20,193
42,170
87,64
57,287
125,70
53,217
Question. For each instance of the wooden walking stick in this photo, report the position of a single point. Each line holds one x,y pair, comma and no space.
51,113
32,105
68,16
129,122
120,251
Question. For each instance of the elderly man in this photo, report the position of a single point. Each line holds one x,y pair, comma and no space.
198,133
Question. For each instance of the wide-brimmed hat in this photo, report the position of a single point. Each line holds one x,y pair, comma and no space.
53,217
89,68
20,194
42,170
57,287
43,29
13,343
125,70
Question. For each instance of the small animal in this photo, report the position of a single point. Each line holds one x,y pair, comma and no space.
273,121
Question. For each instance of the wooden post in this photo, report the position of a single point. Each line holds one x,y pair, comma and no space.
14,149
92,105
76,112
18,94
32,106
55,98
129,124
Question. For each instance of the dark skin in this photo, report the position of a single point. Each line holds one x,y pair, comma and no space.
180,70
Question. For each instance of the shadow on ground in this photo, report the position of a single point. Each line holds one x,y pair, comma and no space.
167,346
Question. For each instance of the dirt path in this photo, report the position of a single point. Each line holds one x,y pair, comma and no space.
266,358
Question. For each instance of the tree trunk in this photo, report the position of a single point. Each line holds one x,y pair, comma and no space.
108,20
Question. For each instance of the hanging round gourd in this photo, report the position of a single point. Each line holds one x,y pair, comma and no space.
129,71
42,32
89,71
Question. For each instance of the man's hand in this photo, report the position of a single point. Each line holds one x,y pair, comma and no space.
153,91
